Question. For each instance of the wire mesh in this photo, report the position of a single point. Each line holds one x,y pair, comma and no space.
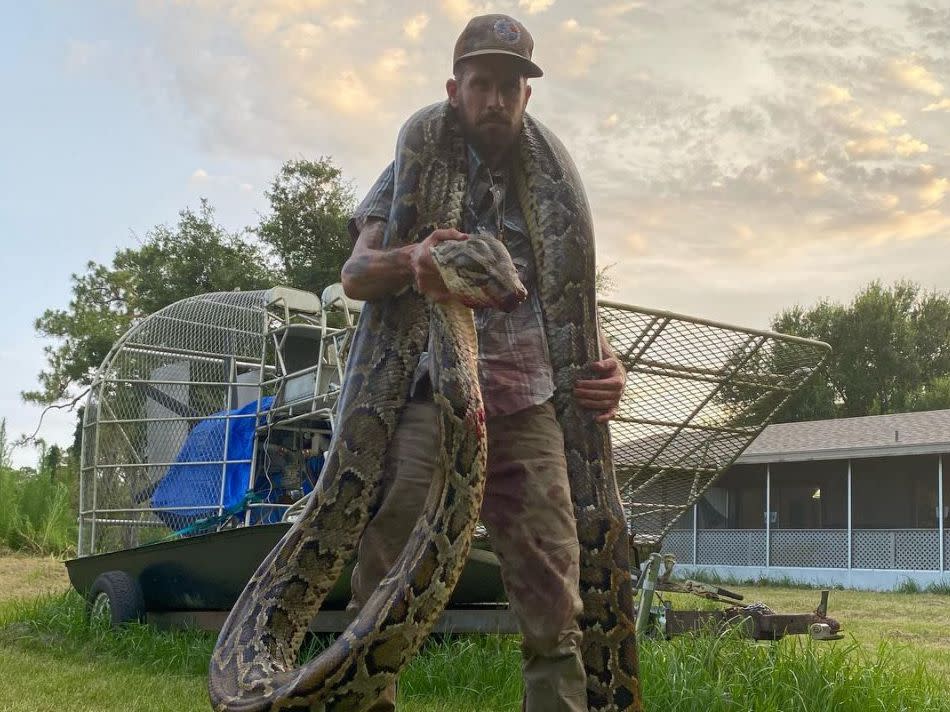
172,377
698,393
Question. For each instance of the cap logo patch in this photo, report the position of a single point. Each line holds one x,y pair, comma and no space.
507,31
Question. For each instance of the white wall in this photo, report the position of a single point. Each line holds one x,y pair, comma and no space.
862,579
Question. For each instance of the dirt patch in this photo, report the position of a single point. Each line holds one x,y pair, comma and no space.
29,576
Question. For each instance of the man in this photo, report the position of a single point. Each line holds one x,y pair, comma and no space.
527,507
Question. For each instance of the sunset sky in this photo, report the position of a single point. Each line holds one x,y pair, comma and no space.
739,157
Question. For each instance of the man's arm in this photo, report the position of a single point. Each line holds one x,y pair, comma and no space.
603,393
373,272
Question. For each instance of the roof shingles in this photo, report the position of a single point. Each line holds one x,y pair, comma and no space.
896,433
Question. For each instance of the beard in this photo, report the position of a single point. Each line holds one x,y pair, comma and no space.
492,135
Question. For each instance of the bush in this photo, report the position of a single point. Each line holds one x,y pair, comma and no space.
35,515
36,511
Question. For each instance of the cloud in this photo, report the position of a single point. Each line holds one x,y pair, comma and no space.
885,147
533,7
391,61
573,27
464,10
301,39
942,105
583,45
348,93
636,243
344,22
414,26
806,173
889,225
720,145
934,191
829,95
584,57
226,189
932,22
914,76
861,121
617,9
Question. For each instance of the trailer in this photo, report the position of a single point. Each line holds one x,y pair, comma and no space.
206,426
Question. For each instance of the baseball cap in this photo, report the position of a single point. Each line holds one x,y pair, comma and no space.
496,34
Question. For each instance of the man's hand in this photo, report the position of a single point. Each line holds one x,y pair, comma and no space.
425,274
374,272
602,393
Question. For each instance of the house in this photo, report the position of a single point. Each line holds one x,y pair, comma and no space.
858,502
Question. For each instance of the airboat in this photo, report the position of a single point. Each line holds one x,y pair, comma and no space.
206,426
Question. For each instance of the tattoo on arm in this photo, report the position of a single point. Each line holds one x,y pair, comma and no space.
370,239
373,271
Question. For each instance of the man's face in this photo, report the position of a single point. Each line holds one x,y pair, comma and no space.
490,95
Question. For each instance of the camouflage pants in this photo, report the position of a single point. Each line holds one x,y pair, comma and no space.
528,513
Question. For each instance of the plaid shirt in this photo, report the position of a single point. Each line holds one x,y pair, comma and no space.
514,368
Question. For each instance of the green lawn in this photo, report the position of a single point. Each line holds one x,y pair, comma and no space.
41,681
896,657
918,622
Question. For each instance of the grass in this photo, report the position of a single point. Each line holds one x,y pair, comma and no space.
916,616
919,623
23,576
896,657
74,666
52,659
726,674
909,586
906,586
93,668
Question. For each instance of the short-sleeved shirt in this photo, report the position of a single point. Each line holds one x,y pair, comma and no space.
514,367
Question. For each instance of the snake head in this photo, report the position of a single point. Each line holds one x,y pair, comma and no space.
479,272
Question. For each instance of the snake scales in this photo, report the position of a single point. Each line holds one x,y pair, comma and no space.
254,665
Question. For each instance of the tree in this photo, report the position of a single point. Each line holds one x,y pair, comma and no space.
604,282
758,390
816,400
890,352
306,226
934,396
194,257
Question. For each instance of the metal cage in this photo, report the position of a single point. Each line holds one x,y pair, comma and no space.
210,413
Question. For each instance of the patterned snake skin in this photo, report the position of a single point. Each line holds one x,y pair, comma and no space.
254,665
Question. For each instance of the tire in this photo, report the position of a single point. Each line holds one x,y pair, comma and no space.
116,598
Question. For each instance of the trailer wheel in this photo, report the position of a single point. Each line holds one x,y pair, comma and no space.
117,598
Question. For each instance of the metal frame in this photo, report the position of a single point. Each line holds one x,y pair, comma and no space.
698,393
220,338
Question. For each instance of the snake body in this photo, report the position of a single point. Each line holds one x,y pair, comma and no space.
254,665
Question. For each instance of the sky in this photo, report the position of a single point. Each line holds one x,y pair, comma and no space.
739,156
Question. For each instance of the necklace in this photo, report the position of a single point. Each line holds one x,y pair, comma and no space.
498,194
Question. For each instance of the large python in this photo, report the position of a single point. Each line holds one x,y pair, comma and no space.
254,665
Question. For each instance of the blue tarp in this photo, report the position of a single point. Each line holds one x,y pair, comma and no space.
197,484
